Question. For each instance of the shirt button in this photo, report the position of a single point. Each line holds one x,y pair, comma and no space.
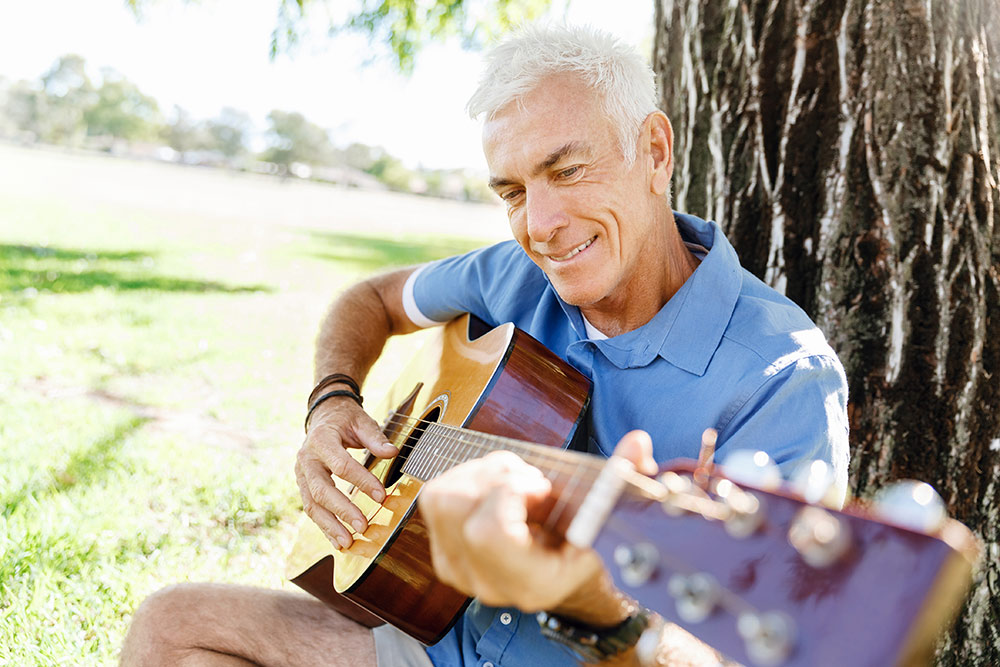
505,618
487,664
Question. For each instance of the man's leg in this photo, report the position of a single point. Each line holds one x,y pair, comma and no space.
214,624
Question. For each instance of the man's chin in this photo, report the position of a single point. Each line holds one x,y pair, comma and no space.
579,297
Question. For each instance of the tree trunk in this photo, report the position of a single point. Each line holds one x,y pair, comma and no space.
851,150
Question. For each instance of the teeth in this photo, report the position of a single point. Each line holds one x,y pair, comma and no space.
576,250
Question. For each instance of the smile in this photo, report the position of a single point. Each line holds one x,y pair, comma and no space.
575,251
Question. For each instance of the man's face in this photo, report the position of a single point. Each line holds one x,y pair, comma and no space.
578,211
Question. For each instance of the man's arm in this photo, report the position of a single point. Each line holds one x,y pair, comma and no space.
351,338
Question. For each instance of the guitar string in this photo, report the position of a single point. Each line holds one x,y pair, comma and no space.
569,495
539,455
558,460
573,458
474,442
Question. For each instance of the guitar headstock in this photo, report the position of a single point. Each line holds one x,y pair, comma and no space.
769,579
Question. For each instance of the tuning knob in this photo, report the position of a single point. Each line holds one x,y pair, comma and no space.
745,512
820,537
815,483
911,504
696,595
636,562
769,637
753,468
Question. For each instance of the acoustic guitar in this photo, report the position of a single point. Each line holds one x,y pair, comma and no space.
758,573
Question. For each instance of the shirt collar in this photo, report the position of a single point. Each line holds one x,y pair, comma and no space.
688,329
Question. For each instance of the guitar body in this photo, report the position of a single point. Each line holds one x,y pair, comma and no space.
499,381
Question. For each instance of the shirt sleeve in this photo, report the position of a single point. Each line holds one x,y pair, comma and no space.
485,282
798,415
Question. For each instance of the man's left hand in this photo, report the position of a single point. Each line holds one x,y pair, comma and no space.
484,543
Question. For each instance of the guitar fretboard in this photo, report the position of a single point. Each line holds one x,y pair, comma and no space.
572,474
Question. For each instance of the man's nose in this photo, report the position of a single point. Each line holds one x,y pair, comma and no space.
545,213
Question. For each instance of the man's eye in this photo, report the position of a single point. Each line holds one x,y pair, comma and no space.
510,195
567,173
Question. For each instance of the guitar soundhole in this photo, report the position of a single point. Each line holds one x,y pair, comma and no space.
396,468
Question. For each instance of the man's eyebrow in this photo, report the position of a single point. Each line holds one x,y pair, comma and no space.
551,159
558,154
498,182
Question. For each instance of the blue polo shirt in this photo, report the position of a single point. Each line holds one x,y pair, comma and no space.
726,352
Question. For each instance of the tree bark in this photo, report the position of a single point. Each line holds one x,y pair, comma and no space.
851,150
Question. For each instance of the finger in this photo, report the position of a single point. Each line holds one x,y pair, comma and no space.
334,530
637,447
323,491
327,448
446,558
499,520
353,426
370,436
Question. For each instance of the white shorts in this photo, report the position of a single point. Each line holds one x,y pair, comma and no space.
397,649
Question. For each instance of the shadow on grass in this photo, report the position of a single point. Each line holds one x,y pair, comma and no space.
71,271
85,467
370,253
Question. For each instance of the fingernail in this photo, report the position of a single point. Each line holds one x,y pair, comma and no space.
358,525
343,541
378,495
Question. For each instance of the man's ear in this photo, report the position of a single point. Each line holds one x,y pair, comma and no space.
661,151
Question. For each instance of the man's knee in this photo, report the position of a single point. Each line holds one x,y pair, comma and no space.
163,623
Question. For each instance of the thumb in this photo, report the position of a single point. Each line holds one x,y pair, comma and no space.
637,448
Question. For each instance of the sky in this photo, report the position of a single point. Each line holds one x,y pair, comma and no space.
215,53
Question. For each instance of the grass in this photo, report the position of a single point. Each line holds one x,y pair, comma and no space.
156,328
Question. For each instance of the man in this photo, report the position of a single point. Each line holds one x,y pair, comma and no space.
652,306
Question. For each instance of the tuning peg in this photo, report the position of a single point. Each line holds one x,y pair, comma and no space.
911,504
696,595
819,536
745,511
753,468
814,482
769,637
636,562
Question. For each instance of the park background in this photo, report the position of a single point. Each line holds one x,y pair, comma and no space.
184,186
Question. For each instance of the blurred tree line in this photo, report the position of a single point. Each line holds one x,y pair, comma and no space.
65,106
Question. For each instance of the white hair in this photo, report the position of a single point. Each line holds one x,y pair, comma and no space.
620,77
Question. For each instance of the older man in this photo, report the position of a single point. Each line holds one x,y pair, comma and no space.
653,306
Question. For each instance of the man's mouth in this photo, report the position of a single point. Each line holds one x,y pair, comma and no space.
575,251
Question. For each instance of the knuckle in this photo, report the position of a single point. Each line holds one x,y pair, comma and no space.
479,533
317,488
339,466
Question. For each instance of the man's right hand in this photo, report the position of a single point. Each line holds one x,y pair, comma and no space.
337,425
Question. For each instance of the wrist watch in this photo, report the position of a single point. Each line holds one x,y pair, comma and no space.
593,644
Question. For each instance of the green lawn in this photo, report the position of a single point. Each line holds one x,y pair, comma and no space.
156,327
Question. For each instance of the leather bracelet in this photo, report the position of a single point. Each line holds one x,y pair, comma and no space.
594,644
332,379
331,394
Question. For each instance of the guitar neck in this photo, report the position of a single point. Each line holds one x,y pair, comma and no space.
441,447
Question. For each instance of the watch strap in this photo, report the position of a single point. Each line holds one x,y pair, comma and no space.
593,644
